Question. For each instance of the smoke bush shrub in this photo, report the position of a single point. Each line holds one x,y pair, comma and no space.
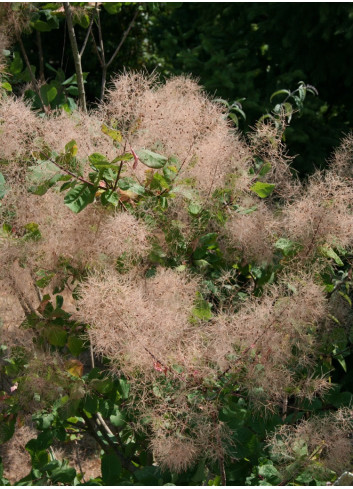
171,289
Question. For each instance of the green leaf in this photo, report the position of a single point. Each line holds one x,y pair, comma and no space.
117,419
159,182
137,189
126,183
63,474
7,429
111,469
90,404
39,458
70,80
98,160
112,7
202,309
110,197
148,476
32,231
71,147
328,252
44,278
83,20
123,388
270,473
279,92
17,64
48,93
75,345
103,386
194,209
346,297
112,133
56,336
2,186
80,196
151,159
266,167
287,246
41,26
43,421
45,186
244,210
262,189
7,86
72,90
123,157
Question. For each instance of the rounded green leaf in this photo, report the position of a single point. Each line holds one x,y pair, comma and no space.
80,196
263,189
97,159
7,86
117,419
151,159
48,93
194,209
75,345
41,26
17,64
56,336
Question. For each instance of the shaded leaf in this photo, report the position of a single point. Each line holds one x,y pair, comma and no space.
111,469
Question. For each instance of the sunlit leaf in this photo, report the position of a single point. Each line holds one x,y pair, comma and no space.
263,189
151,159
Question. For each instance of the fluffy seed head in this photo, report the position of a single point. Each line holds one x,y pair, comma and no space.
325,439
322,216
134,320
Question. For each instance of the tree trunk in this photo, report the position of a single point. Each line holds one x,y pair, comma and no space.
77,57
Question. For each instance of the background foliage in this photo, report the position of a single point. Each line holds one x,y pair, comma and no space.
237,51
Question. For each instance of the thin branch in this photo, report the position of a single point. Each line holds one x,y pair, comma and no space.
91,354
75,176
105,65
79,461
102,55
87,36
64,45
96,48
126,33
83,180
76,56
92,426
41,57
118,176
100,37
